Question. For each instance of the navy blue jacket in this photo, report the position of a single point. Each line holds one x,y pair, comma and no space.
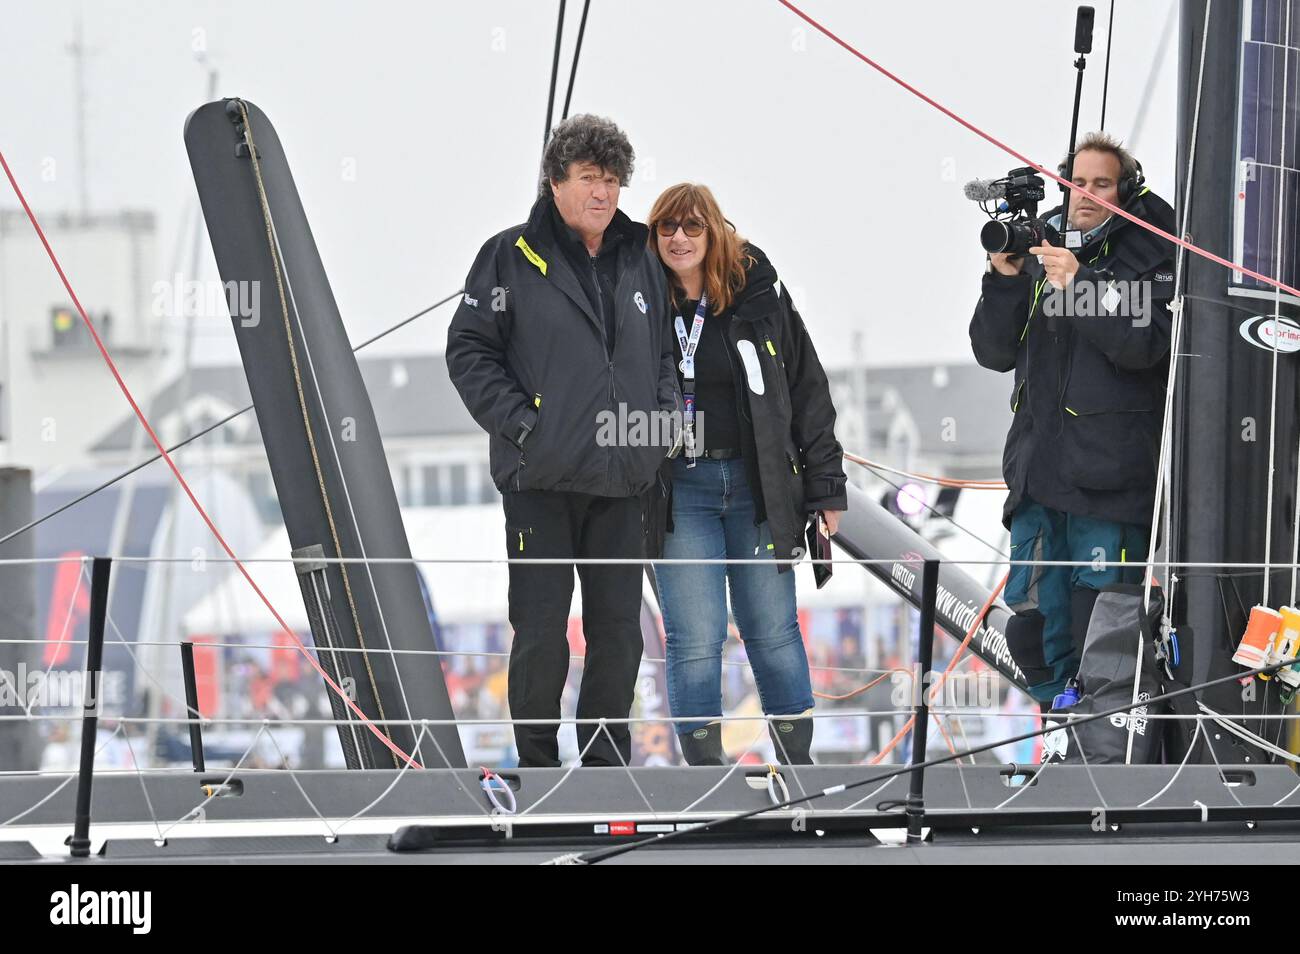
1090,364
531,359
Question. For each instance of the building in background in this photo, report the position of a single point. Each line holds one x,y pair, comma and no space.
437,455
939,419
53,384
947,420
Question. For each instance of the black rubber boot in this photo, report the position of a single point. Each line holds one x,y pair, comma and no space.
703,746
1082,601
792,739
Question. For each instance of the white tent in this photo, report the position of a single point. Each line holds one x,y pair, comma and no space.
462,592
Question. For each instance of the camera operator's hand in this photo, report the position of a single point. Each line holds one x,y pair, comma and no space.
1059,264
1006,264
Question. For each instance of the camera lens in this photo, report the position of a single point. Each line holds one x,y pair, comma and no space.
1014,236
997,236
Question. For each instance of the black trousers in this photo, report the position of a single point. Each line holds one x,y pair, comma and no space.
545,524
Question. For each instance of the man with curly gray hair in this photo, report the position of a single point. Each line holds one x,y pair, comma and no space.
588,139
559,350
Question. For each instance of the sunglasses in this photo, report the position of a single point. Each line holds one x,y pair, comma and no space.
693,228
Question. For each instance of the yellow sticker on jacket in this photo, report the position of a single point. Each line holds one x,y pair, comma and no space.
530,254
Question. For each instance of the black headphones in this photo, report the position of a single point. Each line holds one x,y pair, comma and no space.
1128,186
1131,186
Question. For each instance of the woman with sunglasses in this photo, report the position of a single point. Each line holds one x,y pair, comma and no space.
760,455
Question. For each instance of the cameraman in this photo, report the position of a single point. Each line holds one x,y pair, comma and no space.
1086,332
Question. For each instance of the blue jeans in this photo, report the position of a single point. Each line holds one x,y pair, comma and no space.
713,518
1041,533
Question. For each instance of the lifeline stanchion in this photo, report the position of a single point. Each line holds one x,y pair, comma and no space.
920,684
192,704
79,843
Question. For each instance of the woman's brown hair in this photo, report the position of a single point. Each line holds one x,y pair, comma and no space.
724,261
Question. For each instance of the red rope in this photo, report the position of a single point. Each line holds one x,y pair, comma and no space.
952,664
1194,249
181,480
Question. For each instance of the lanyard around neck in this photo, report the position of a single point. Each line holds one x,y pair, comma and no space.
689,343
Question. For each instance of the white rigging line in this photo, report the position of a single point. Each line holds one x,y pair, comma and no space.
726,775
63,640
1295,528
1277,312
293,776
1241,732
1191,746
214,790
1277,298
144,789
62,785
1166,429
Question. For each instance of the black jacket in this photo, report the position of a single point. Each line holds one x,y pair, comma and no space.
527,352
1089,392
787,420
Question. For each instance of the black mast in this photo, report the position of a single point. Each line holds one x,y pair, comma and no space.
1224,392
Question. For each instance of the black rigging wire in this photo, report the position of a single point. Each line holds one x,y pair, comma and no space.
197,434
555,70
577,52
592,857
1105,83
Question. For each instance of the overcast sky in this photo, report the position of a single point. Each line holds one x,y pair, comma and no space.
414,132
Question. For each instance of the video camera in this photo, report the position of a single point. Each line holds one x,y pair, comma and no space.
1014,226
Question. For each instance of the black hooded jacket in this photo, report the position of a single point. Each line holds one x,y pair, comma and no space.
1090,370
531,359
787,420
